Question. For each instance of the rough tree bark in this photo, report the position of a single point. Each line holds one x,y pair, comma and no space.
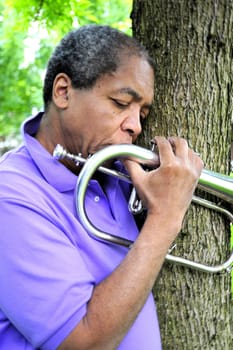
192,45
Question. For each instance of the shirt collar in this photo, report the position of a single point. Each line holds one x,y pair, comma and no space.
52,170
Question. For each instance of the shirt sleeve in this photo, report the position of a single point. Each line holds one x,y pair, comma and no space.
45,284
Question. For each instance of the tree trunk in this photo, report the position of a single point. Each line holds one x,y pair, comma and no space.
191,42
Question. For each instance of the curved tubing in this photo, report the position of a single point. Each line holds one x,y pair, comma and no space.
224,189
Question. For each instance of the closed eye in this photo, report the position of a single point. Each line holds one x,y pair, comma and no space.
119,103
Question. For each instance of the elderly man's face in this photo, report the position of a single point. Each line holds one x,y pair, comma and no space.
111,112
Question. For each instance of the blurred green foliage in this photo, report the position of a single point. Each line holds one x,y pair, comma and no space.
29,31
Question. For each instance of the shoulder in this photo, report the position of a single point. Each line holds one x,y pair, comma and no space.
20,178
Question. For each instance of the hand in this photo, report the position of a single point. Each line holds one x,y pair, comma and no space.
168,189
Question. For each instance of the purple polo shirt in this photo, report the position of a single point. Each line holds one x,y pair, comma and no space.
49,264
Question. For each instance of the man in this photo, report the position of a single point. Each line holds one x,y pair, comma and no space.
60,288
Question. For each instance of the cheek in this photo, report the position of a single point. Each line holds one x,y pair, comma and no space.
104,120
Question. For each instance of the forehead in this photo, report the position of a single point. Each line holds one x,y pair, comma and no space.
133,74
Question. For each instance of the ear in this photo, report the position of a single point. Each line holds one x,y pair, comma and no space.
61,87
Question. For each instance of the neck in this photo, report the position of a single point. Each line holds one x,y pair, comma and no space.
49,136
44,132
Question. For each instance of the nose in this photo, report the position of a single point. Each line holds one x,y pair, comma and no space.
132,123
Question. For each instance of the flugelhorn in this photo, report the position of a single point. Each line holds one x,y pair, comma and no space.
211,182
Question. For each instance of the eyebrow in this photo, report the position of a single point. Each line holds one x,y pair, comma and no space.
135,95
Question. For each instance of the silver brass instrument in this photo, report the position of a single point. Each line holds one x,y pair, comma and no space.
211,182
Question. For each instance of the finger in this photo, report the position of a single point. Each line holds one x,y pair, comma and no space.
183,151
180,146
164,148
134,170
199,164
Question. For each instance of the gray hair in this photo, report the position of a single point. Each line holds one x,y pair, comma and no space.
87,53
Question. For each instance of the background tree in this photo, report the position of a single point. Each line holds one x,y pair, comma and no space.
191,42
